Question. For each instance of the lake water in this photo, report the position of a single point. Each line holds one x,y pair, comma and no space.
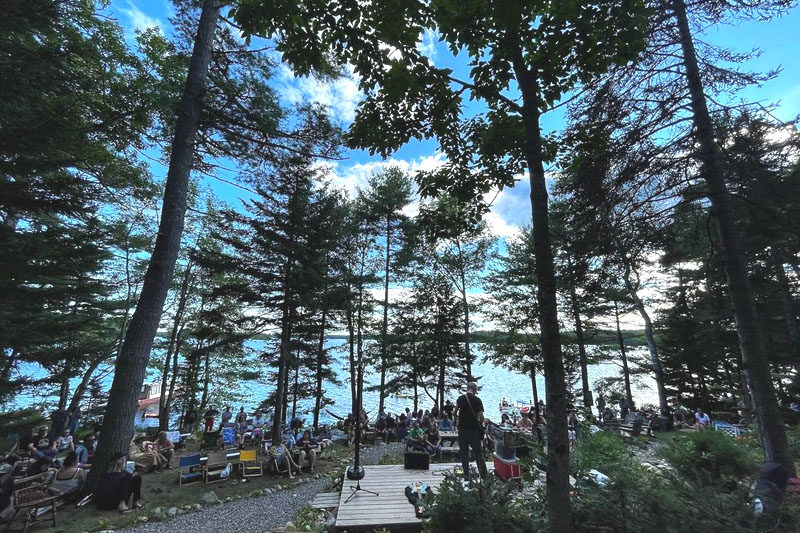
495,383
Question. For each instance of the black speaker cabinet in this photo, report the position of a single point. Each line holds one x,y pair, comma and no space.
417,461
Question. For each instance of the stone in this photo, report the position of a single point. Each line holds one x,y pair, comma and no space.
330,525
181,511
142,519
172,511
278,487
158,510
197,507
187,507
209,497
317,476
268,491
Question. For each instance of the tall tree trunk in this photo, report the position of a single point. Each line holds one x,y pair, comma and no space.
80,390
174,377
351,341
206,379
183,296
576,315
535,406
385,325
465,303
320,364
558,504
655,361
131,364
787,301
626,373
754,356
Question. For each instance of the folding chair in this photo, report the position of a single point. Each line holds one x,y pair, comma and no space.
250,466
189,469
229,438
210,441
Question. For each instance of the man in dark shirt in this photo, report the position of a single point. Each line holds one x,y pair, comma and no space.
470,428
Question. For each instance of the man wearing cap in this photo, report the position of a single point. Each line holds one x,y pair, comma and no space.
470,428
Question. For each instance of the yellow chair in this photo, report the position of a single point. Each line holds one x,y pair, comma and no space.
250,466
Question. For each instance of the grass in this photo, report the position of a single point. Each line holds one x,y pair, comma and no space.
161,490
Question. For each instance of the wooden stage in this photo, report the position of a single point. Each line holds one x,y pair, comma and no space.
390,509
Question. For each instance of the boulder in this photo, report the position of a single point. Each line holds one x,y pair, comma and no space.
197,507
172,511
209,497
158,510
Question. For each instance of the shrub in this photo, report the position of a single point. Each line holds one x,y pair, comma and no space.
485,507
602,451
711,457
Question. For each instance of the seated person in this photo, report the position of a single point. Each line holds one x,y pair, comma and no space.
258,420
703,420
65,443
445,424
296,424
416,437
117,486
380,429
391,428
402,427
433,441
26,443
40,465
145,456
525,422
608,414
85,450
283,456
165,448
41,442
506,420
70,478
308,449
349,428
7,485
47,449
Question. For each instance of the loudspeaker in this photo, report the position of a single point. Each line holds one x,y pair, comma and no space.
417,461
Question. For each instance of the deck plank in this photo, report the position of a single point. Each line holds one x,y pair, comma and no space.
390,507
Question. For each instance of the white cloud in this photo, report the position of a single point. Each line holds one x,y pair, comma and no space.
139,20
350,177
341,95
427,43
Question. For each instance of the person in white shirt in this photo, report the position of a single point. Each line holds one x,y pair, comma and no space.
65,442
702,418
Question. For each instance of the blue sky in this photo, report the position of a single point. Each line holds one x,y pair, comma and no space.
777,39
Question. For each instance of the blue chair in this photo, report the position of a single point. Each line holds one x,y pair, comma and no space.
193,469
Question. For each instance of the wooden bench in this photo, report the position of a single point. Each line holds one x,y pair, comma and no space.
30,494
326,500
636,428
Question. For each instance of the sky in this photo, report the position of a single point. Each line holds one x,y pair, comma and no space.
777,40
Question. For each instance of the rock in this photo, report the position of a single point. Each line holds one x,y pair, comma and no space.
209,497
181,511
197,507
142,519
187,507
172,511
255,494
317,476
268,491
158,510
278,487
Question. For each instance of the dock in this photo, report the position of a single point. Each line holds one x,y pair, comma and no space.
390,509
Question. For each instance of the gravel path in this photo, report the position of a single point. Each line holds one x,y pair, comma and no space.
266,513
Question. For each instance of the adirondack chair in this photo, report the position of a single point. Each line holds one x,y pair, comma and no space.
189,469
30,494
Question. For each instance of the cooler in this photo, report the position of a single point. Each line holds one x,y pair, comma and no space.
505,469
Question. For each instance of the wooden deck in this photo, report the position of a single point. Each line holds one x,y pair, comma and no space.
390,509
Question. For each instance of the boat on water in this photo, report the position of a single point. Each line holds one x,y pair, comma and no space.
151,394
519,406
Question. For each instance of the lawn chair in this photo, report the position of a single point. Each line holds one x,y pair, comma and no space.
229,438
30,494
249,465
210,441
189,469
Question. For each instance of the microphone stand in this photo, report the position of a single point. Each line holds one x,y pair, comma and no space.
356,472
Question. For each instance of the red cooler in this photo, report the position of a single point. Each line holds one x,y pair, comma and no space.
506,470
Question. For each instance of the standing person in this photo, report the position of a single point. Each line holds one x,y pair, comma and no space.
189,418
470,428
227,415
601,406
448,408
74,420
209,418
241,418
